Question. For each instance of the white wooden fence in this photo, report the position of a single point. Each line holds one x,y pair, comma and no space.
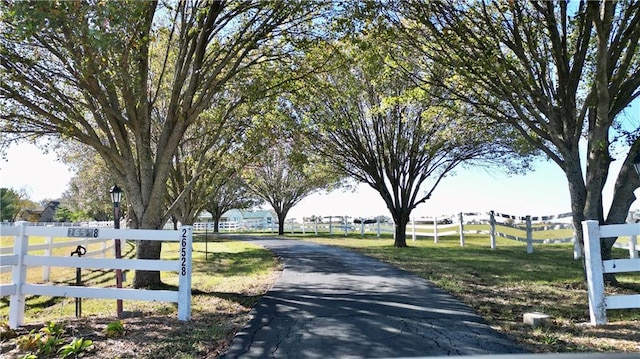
20,260
531,230
495,223
107,246
599,302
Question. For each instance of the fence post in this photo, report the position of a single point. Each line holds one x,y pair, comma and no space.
394,230
46,270
346,226
303,225
104,249
291,225
595,271
529,235
19,276
362,227
378,228
633,250
461,218
184,282
330,225
435,229
492,230
633,240
413,229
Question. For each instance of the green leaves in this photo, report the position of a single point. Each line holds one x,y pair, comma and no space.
75,348
49,340
115,329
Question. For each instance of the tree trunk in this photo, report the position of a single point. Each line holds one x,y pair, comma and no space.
280,225
281,213
401,220
147,250
623,197
217,215
401,235
577,194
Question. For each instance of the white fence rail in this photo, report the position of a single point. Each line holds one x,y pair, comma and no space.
599,302
531,230
20,260
49,244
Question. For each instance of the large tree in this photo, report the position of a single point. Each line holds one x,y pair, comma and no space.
13,202
9,204
87,195
228,191
286,173
221,142
82,71
556,71
368,116
197,163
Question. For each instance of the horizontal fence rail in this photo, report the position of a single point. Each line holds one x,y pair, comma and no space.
531,230
20,260
50,244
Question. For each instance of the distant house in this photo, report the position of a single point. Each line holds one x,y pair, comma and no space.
41,214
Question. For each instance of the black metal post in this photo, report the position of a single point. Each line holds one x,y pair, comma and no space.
116,225
116,196
80,251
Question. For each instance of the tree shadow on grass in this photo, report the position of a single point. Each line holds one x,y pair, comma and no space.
239,298
34,301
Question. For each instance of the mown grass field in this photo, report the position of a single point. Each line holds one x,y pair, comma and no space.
503,284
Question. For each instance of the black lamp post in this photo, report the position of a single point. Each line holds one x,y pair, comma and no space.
116,196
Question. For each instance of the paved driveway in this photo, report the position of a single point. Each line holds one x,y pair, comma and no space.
333,303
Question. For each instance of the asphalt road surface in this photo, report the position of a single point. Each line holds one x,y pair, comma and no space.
333,303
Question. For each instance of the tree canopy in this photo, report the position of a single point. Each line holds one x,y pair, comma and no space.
287,172
560,73
9,204
94,72
394,94
368,116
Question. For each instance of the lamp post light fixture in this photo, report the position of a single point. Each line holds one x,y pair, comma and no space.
116,196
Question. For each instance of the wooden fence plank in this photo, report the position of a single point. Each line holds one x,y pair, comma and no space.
621,265
623,301
103,263
101,293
